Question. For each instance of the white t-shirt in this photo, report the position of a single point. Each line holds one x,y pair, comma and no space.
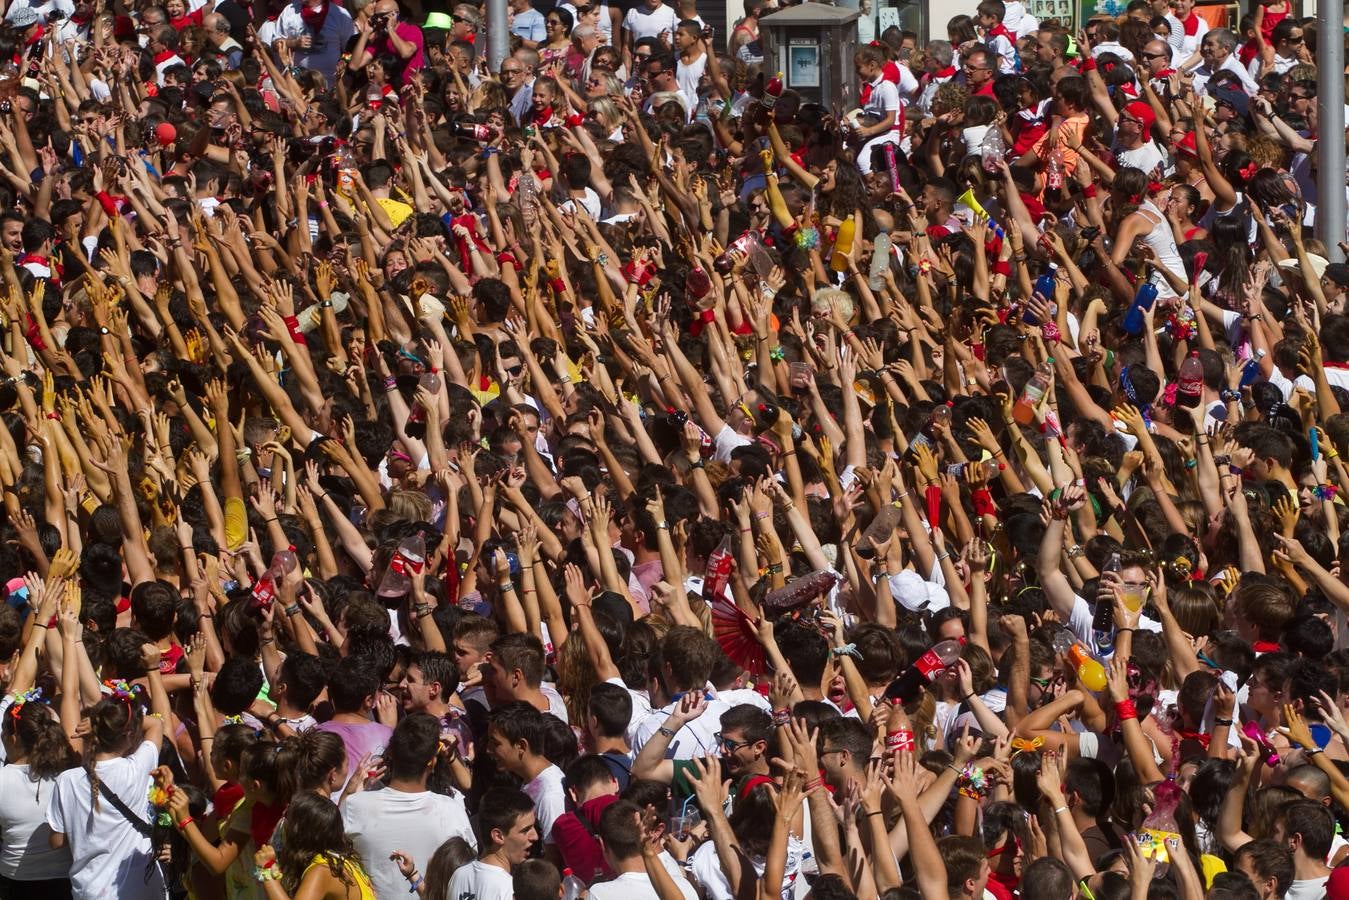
706,869
644,23
1145,156
480,881
108,856
25,854
636,886
1307,889
550,800
641,706
381,821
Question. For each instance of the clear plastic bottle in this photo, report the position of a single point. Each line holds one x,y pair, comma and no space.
1160,826
880,261
528,198
738,249
1191,381
283,563
1103,623
992,148
879,531
1023,411
572,887
407,561
800,591
929,665
416,424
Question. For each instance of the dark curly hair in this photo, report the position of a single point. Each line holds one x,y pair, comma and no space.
314,826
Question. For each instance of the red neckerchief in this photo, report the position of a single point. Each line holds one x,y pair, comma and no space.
1191,24
37,36
1266,647
164,56
82,19
314,16
864,96
986,90
47,262
890,72
1197,736
1164,73
1001,29
1329,364
948,72
469,221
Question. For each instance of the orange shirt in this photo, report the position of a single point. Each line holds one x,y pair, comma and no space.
1074,125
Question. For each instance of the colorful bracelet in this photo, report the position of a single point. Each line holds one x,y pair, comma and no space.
781,717
972,783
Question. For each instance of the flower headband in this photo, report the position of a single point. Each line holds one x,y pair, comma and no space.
32,695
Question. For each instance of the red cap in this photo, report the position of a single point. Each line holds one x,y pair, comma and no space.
1142,112
1188,145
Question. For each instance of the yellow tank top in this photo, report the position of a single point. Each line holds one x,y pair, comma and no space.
354,872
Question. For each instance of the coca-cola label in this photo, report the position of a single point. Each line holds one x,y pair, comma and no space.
405,566
901,739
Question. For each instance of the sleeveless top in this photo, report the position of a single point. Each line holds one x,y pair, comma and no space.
353,872
1161,240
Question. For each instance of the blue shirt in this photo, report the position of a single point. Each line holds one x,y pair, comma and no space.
528,25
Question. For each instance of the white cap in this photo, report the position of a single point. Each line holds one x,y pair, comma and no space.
915,594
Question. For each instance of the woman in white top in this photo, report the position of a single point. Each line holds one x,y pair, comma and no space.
1140,219
37,750
111,855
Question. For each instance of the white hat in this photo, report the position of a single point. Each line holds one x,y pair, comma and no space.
915,594
23,17
1318,263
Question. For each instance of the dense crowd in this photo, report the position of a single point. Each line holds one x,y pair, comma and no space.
614,473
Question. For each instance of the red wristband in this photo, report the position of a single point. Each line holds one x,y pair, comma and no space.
1125,709
1089,191
983,502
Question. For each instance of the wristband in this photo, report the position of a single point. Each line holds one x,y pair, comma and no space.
781,717
1227,722
1312,751
292,610
1125,709
183,824
415,883
972,783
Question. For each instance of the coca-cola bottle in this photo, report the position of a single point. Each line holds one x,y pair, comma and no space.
474,130
800,591
718,574
1191,381
1054,170
283,563
1023,411
928,666
893,166
407,561
772,91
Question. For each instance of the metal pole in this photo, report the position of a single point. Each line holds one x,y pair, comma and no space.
498,40
1330,211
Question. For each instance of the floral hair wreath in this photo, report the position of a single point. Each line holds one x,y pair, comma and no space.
121,689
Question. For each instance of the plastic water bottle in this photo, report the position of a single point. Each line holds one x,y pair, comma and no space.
407,561
1191,384
1103,623
880,261
1143,300
1044,286
528,198
924,670
992,148
879,531
283,563
718,573
1023,411
572,887
800,591
345,163
737,250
